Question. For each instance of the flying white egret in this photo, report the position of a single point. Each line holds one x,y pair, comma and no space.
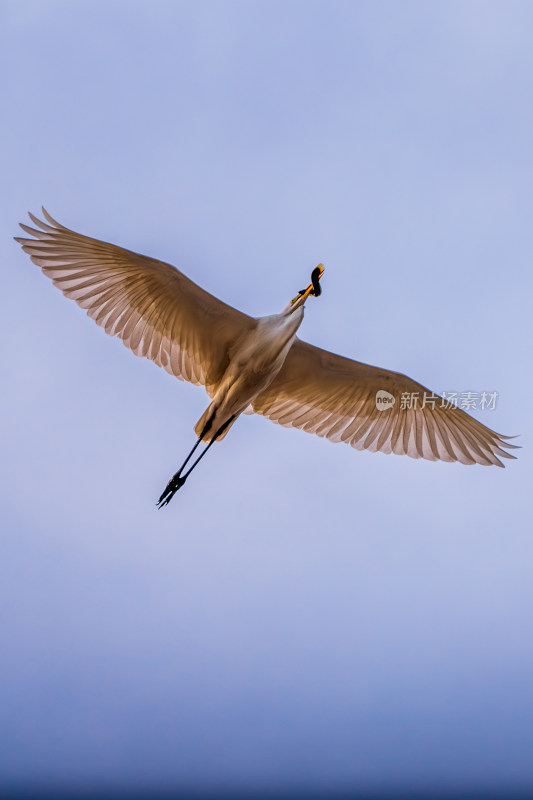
252,365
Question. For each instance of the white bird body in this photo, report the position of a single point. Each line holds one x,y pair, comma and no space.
255,360
248,364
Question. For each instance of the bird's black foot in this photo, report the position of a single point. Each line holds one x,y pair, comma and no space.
172,487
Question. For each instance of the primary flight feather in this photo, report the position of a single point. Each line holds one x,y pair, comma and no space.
249,364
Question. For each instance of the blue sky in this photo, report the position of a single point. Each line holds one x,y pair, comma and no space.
302,614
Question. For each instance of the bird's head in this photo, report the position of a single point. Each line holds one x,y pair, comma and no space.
313,289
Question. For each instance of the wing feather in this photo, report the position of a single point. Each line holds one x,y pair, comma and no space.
156,310
335,397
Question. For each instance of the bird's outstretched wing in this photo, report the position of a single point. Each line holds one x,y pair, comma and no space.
155,309
335,397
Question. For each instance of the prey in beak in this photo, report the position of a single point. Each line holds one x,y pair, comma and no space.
313,288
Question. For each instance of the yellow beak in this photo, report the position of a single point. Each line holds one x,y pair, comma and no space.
306,292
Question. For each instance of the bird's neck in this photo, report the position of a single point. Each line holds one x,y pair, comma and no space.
294,311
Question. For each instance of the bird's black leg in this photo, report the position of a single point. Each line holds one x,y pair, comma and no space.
177,481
